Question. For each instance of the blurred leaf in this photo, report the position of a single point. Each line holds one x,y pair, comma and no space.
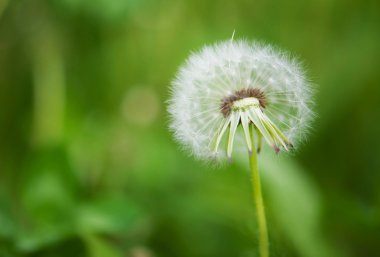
41,237
99,247
49,186
48,200
295,203
112,214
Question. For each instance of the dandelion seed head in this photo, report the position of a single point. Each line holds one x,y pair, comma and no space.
207,98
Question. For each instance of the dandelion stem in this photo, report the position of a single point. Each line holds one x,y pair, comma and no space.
257,195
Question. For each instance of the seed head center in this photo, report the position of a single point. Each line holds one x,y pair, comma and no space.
245,103
243,99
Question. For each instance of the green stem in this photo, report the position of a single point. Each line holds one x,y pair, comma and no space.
257,194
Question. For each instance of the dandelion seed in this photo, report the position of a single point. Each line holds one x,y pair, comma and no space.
238,75
246,84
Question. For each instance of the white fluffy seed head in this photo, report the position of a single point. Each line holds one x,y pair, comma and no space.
219,70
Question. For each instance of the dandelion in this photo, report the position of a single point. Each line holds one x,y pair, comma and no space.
237,84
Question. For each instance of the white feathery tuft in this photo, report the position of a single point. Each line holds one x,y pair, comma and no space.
219,70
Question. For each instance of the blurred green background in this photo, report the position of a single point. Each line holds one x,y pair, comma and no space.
88,167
